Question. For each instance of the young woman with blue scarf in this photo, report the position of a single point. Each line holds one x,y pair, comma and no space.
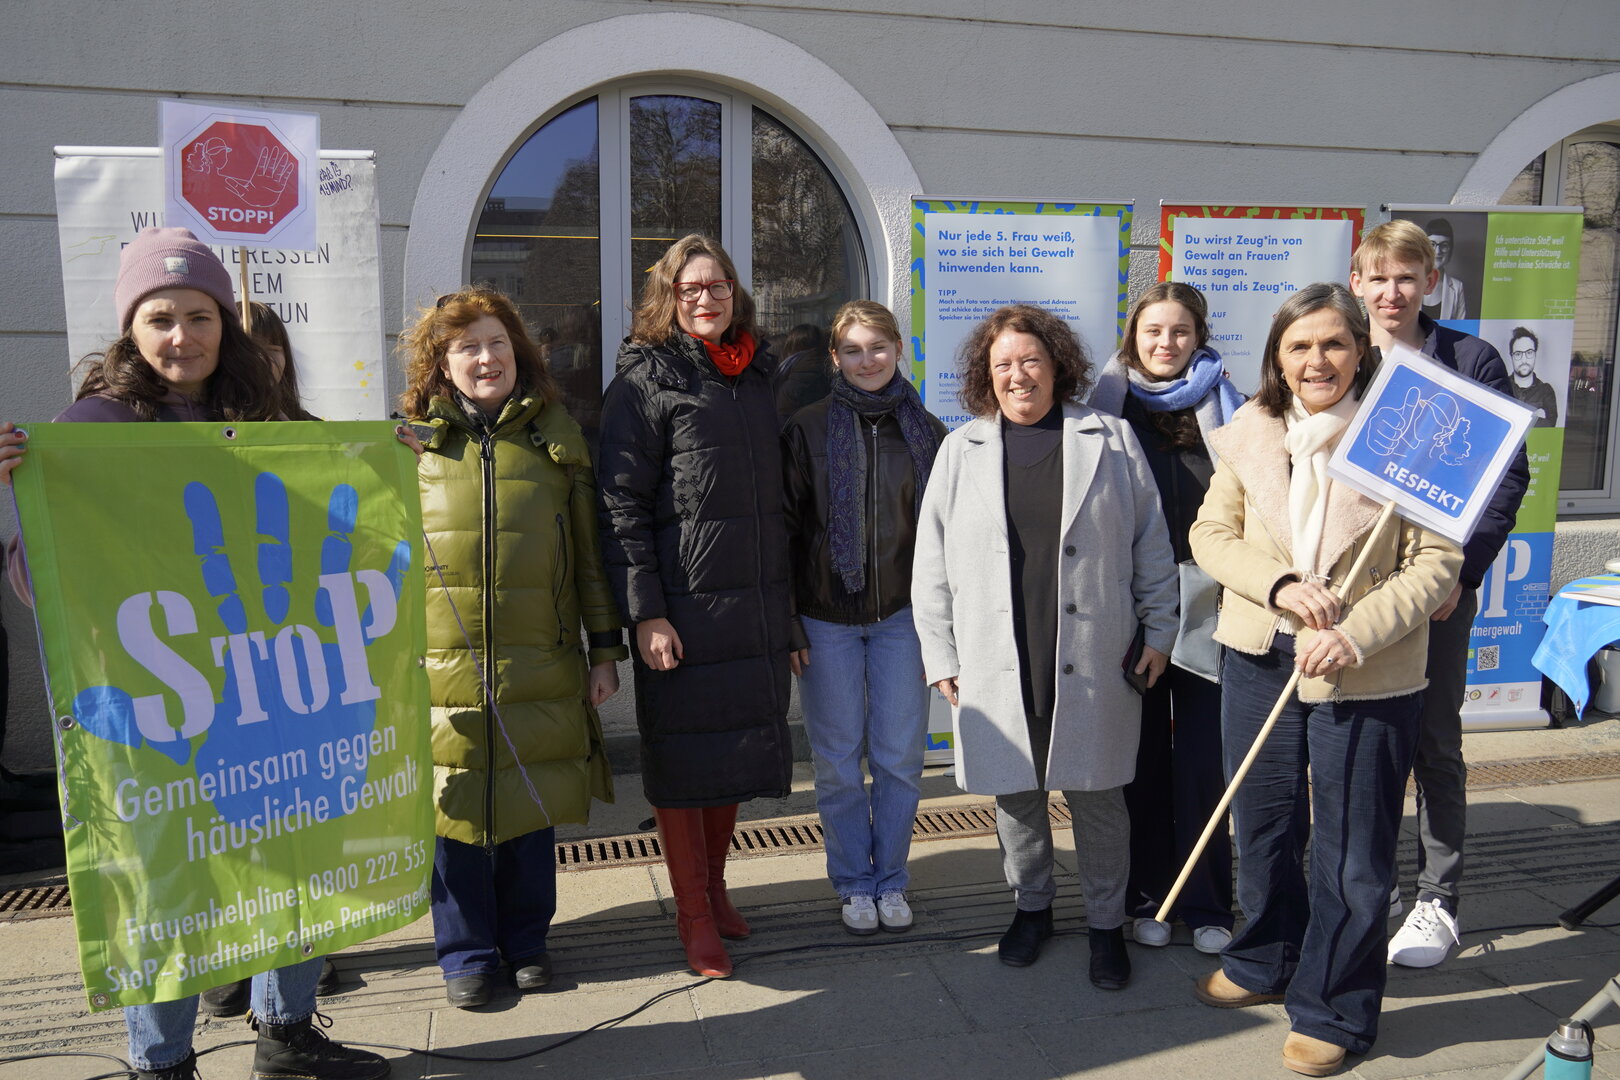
1169,386
855,465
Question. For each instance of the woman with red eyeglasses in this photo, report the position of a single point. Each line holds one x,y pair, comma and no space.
695,545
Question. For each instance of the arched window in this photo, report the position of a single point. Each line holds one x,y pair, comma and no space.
1584,170
588,202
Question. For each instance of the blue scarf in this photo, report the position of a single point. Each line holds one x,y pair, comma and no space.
1202,387
847,464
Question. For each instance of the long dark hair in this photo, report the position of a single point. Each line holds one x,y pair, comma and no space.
1176,430
270,331
239,389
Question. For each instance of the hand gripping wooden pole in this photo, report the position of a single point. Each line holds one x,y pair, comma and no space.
1265,731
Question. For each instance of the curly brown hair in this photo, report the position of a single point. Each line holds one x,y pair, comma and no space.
1274,396
655,321
424,346
239,389
1071,365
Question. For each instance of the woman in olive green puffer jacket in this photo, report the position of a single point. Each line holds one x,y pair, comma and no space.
515,571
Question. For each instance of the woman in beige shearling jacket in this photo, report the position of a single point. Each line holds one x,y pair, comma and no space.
1280,536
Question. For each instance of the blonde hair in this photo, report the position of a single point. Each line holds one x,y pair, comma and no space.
655,321
1396,240
863,313
424,346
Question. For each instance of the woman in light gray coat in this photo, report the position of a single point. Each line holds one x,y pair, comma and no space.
1042,556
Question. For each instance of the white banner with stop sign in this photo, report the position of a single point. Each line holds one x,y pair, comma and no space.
329,297
241,176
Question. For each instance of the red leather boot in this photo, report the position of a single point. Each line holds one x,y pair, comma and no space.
718,824
680,834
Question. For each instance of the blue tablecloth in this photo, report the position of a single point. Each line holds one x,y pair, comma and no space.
1576,630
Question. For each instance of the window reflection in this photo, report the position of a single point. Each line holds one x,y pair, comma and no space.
540,237
807,258
674,175
538,241
1592,180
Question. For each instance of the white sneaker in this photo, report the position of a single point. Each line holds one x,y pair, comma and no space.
860,915
893,911
1211,939
1151,932
1426,938
1395,904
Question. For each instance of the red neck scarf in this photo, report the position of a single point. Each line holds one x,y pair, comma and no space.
732,358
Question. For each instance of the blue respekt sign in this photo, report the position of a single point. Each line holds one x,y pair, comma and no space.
1432,441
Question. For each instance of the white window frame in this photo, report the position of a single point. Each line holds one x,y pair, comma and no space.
845,131
1606,499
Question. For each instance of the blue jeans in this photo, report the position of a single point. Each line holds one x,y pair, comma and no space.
1322,942
493,904
865,685
160,1035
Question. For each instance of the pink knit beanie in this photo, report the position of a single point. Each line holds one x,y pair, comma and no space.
161,258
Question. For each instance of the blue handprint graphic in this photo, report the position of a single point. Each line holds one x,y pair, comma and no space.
1436,421
286,690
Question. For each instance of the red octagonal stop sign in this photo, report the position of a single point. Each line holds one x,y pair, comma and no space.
239,177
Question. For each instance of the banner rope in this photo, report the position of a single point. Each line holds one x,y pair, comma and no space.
69,822
489,691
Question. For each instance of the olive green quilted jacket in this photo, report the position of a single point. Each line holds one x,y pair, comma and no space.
514,571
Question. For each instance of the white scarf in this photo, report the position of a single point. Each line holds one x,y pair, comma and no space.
1310,442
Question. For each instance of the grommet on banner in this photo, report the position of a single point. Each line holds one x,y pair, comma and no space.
229,433
308,949
421,661
99,1000
64,722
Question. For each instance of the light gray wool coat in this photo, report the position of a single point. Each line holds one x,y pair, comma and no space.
1115,568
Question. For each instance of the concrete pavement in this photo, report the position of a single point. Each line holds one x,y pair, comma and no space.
810,1001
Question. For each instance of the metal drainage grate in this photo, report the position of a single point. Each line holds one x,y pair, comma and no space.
37,902
786,836
1499,774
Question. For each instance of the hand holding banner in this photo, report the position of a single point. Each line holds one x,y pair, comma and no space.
242,712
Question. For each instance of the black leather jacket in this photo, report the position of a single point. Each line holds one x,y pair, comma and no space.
891,493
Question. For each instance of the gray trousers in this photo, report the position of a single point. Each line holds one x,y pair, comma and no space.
1439,769
1102,845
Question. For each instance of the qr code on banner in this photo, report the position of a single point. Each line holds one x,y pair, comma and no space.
1487,658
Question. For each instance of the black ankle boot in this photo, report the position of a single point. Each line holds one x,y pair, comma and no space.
186,1070
300,1051
1021,944
1110,965
228,1000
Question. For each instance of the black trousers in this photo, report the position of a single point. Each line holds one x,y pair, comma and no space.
1179,780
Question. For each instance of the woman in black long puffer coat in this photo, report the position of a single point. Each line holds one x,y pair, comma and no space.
695,545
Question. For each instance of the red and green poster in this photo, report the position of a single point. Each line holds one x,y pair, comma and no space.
1246,260
232,622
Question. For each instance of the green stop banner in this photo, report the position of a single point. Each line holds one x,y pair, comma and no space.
232,622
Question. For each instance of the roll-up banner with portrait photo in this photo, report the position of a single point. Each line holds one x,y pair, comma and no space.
1508,275
972,256
240,708
330,298
1246,260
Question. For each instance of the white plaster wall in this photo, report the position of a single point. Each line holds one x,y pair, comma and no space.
1228,100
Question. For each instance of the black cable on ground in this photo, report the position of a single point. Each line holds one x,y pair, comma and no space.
820,946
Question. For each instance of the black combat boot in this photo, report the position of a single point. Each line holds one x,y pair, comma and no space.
300,1051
